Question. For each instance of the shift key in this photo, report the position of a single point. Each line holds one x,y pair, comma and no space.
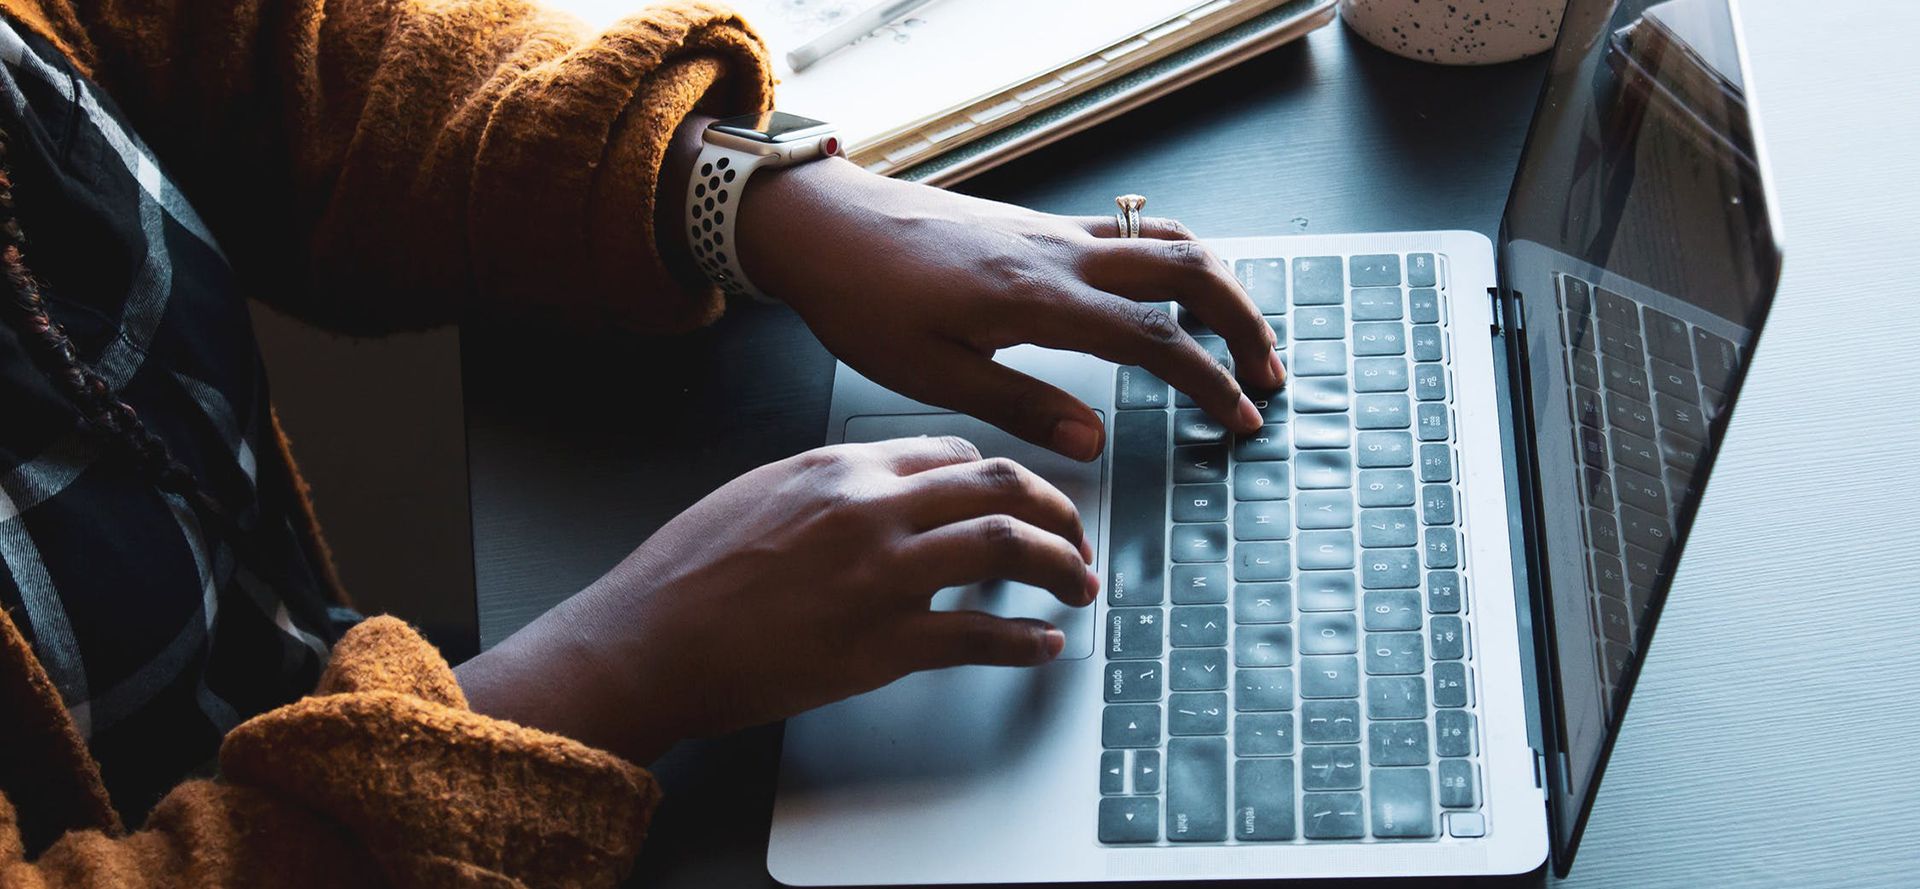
1197,790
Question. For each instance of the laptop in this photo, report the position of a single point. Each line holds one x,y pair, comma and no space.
1395,632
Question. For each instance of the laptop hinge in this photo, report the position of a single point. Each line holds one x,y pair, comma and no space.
1540,774
1499,310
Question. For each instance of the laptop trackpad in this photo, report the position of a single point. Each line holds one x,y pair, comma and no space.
1079,481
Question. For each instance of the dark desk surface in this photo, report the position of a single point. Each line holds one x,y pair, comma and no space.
1764,744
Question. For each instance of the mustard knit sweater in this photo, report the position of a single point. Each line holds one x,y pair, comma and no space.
372,166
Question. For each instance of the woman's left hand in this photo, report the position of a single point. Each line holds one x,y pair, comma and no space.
917,288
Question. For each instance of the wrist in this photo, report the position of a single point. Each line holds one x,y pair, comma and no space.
670,204
555,675
786,213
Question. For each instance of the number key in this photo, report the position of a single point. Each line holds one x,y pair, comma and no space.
1397,654
1393,610
1385,374
1376,304
1379,338
1385,449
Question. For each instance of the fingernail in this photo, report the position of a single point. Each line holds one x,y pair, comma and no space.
1086,549
1053,641
1093,587
1077,439
1249,415
1277,368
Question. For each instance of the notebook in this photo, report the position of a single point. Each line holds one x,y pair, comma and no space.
957,86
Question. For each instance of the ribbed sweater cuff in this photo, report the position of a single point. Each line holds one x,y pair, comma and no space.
438,793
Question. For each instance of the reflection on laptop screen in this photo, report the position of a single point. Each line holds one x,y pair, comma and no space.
1638,238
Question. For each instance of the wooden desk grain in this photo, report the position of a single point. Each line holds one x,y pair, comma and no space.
1772,737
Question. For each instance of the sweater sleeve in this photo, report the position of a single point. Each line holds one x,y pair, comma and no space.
382,774
383,165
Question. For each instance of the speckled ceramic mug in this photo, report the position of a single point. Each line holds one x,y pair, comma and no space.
1456,32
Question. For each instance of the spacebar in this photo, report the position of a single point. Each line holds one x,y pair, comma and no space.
1137,554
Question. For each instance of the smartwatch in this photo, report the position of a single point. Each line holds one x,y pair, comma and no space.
732,149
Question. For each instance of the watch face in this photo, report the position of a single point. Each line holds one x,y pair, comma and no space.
771,126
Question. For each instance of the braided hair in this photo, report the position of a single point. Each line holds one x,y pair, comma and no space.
25,310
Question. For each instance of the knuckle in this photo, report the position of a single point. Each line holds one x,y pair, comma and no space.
1171,228
1000,534
963,450
1157,326
827,469
1003,474
1223,376
820,459
1189,254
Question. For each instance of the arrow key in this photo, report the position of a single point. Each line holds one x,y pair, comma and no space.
1130,725
1146,771
1129,819
1113,773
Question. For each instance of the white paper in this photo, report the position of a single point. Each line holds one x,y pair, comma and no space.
946,54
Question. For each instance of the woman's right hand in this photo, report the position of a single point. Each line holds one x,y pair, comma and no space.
798,584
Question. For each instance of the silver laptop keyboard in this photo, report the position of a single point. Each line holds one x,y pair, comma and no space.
1287,637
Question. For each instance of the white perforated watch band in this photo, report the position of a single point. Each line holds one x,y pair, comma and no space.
713,195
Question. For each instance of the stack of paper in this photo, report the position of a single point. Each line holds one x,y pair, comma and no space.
954,71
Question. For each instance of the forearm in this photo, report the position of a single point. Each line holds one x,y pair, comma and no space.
375,166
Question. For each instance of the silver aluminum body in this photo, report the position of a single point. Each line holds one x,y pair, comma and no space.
989,775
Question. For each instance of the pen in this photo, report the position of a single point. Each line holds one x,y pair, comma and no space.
855,27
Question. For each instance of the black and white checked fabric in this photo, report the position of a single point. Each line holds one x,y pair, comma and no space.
157,640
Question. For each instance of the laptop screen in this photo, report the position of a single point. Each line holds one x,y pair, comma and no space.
1639,241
